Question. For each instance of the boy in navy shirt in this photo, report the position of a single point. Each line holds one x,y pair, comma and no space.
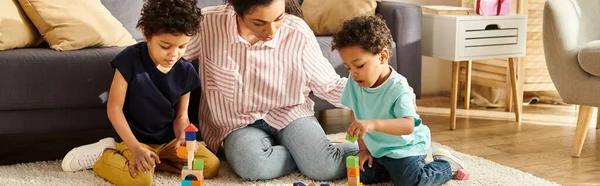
148,101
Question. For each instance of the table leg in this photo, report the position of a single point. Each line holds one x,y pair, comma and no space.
453,94
467,102
515,90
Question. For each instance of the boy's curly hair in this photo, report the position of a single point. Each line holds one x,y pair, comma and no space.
369,32
170,16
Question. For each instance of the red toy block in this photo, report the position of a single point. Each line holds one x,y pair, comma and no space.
462,174
191,128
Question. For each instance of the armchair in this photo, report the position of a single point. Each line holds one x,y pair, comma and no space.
572,51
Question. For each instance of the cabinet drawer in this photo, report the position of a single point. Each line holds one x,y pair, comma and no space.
480,38
472,37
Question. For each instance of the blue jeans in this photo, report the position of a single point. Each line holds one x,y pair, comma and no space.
407,171
260,152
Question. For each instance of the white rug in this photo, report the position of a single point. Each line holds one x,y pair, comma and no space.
483,172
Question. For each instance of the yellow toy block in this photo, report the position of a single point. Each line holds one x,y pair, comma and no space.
182,152
187,174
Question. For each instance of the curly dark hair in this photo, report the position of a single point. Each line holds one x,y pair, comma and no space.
369,32
243,7
170,16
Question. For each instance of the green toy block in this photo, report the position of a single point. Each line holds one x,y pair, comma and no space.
352,162
351,139
198,164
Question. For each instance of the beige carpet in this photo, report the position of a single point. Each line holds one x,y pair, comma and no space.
483,172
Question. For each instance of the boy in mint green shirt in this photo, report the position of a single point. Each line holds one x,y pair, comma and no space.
391,136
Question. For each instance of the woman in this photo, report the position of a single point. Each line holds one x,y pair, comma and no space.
258,65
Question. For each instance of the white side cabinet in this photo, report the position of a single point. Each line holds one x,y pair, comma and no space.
473,37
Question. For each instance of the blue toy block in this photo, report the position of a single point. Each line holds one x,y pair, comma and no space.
190,136
185,167
299,184
324,184
186,183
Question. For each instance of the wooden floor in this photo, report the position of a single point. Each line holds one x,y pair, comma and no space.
540,145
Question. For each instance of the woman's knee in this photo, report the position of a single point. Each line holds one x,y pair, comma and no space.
323,171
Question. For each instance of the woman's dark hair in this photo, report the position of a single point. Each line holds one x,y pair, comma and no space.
243,7
368,32
170,16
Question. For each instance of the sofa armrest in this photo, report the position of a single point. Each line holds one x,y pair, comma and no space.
405,22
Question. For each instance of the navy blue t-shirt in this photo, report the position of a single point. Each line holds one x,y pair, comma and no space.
152,96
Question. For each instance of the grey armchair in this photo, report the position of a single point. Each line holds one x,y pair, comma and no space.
571,38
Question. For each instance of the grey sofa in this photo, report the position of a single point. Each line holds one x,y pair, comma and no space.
572,48
53,101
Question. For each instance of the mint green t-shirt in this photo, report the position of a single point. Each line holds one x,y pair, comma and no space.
392,99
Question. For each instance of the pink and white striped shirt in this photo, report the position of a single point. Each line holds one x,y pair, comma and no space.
242,83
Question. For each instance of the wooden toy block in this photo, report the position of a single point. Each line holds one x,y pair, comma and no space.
462,174
187,174
353,181
359,184
312,184
198,164
191,145
190,128
352,162
190,136
351,139
298,184
186,183
353,172
198,183
182,152
190,158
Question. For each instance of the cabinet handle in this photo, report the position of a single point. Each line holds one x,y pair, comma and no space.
492,27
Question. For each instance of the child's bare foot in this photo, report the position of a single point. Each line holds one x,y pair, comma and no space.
84,157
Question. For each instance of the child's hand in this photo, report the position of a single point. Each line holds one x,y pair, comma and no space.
360,127
180,142
142,160
364,156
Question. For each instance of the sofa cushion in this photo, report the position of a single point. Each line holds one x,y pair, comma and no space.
128,13
589,57
16,31
41,78
327,17
75,24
